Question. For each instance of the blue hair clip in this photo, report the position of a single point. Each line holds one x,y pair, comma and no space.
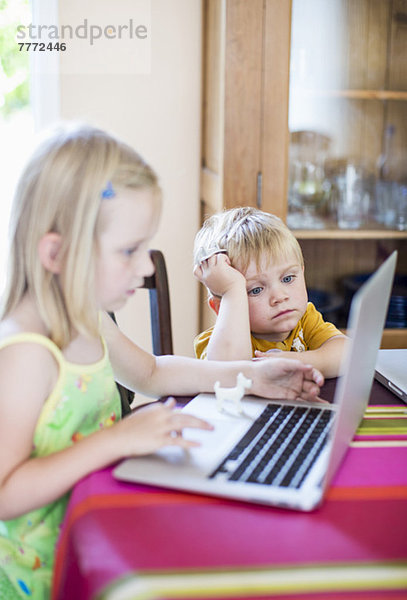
108,192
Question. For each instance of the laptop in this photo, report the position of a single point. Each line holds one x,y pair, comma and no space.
255,455
391,371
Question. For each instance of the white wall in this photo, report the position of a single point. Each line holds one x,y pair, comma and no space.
158,113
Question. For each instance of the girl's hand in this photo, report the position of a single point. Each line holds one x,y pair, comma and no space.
287,379
218,275
154,426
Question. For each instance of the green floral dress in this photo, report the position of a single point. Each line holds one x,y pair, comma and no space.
84,400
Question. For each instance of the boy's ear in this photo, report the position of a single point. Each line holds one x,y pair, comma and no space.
49,252
214,303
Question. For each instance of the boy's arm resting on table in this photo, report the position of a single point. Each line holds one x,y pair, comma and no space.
327,358
230,339
165,375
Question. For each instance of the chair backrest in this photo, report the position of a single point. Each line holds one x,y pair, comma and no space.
160,311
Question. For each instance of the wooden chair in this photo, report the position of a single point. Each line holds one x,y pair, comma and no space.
160,313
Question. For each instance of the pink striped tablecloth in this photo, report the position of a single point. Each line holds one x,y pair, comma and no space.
126,541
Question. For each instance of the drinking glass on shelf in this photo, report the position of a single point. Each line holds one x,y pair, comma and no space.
308,186
307,195
401,211
353,198
391,204
386,203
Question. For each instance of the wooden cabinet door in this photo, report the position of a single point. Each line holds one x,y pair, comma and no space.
245,120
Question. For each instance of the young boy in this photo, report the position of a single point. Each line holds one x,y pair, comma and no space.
253,268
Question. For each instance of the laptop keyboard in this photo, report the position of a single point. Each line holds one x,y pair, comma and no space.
279,448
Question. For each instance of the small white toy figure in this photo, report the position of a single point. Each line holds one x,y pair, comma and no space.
234,394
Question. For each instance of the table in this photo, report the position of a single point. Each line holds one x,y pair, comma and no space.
122,541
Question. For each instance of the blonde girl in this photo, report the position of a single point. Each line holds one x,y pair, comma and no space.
84,213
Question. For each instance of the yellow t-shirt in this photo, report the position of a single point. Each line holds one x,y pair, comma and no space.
310,333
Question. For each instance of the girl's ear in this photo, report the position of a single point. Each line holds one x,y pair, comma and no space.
49,252
214,303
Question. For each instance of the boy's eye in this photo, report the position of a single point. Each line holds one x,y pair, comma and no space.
288,278
255,291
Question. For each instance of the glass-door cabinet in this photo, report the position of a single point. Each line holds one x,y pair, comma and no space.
347,160
348,115
305,116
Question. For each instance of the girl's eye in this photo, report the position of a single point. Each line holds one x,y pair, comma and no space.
129,251
288,278
255,291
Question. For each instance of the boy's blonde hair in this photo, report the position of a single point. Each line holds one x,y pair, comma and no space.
60,190
247,234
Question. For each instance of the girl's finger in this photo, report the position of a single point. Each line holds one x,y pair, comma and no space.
170,402
182,420
183,443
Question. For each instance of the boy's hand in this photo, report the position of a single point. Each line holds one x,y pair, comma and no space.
218,275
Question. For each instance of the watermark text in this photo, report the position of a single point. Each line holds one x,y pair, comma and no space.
83,31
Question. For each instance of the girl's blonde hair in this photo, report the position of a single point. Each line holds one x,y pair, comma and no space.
60,190
247,234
